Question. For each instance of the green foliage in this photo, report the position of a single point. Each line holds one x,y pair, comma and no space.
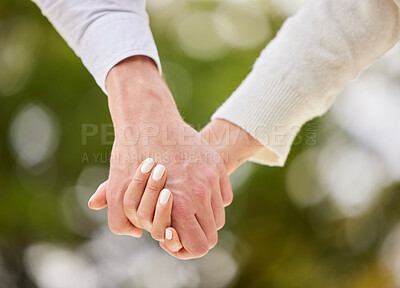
278,244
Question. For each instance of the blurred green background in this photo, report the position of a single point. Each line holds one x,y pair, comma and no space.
329,218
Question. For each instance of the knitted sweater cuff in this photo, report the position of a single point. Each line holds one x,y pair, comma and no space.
271,112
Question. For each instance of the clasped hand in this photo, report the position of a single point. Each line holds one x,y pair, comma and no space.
199,190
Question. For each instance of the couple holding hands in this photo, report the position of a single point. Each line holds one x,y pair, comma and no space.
295,79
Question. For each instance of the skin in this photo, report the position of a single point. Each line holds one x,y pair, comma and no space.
147,122
135,197
233,143
235,147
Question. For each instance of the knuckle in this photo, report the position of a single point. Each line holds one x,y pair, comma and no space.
152,188
181,208
139,180
157,235
130,204
201,192
202,249
146,224
144,218
132,216
142,215
113,198
220,166
211,175
115,230
134,220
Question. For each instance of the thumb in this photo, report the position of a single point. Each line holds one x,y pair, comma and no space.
98,200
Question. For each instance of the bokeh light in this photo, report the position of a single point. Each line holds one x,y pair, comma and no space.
18,42
302,180
56,267
111,261
198,36
329,218
288,7
34,135
352,176
242,24
369,110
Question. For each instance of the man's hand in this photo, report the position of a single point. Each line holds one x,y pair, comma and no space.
148,124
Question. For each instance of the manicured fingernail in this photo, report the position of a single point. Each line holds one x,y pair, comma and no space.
164,196
168,234
147,165
158,172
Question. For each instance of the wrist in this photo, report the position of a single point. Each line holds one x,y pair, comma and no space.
140,69
137,93
233,143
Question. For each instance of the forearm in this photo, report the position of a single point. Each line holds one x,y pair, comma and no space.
138,92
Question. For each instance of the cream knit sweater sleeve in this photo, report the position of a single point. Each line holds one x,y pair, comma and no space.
298,75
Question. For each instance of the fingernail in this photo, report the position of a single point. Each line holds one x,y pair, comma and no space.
147,165
158,172
168,234
164,196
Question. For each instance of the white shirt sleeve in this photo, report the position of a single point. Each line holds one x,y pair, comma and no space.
298,75
102,32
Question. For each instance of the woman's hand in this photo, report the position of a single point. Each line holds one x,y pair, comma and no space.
234,144
148,204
